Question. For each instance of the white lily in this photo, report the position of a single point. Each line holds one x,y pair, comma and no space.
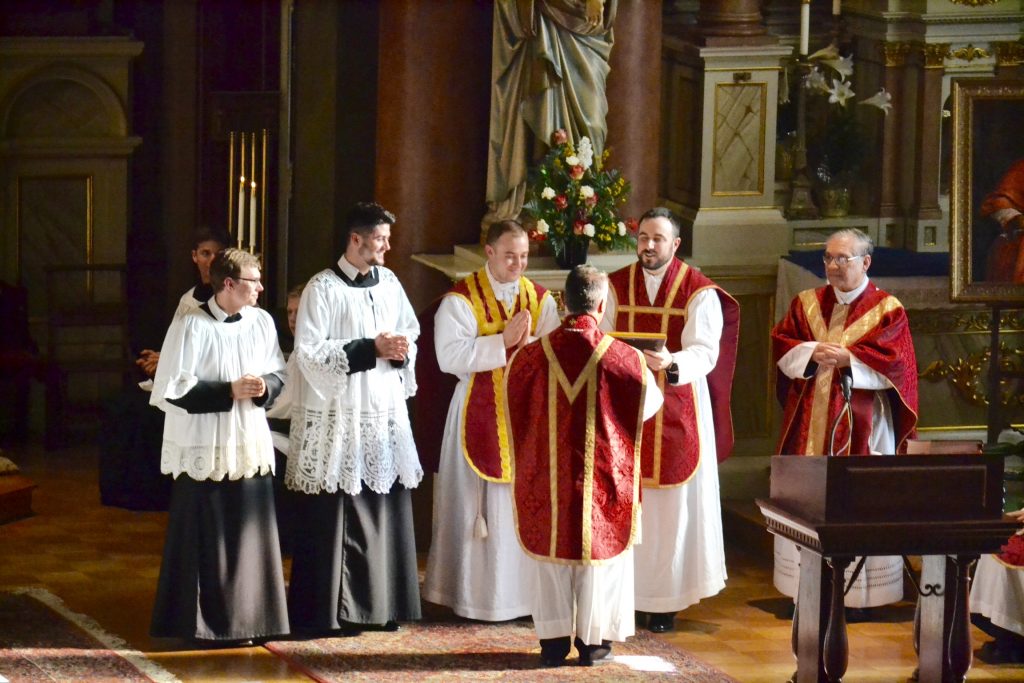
831,51
842,65
881,99
840,92
816,80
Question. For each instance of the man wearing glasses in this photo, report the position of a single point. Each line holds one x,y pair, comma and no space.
848,338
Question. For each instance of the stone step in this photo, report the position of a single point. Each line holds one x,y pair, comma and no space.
15,497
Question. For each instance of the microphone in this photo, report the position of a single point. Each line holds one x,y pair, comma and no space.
846,383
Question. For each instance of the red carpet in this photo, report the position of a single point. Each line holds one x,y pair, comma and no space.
41,640
478,651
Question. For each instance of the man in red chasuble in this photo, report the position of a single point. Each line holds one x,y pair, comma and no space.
575,403
475,565
849,329
682,558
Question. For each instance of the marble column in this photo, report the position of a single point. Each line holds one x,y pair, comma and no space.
634,101
926,220
891,149
730,21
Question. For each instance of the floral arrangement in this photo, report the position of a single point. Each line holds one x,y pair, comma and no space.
572,199
836,140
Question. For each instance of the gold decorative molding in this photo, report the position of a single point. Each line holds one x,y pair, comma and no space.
966,376
969,53
934,54
974,3
963,322
1008,53
895,54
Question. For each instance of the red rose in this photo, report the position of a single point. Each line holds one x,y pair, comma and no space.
559,137
576,172
632,225
591,200
561,202
577,227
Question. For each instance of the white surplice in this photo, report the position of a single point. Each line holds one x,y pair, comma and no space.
479,578
348,431
997,592
880,582
231,444
681,557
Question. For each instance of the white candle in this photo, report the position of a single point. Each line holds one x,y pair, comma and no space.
252,219
241,209
805,26
836,7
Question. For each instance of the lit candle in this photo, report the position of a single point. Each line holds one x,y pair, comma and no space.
805,26
252,219
836,7
241,196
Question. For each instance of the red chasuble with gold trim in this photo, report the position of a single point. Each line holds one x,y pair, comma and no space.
484,437
574,404
671,443
875,330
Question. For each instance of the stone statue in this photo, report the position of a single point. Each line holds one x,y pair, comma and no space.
549,67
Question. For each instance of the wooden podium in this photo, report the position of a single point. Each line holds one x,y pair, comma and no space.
948,508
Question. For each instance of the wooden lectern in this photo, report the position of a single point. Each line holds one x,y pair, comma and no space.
948,508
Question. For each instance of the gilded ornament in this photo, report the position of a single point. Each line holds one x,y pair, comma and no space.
935,55
969,53
895,54
1008,53
974,3
965,374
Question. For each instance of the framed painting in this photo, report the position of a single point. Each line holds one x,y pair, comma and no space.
987,197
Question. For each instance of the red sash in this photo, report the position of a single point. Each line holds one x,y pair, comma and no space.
875,329
484,437
574,404
671,442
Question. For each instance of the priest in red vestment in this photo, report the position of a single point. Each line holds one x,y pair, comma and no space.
848,332
1005,205
575,403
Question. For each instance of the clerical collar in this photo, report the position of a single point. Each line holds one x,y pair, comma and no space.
851,296
351,275
202,292
503,291
218,313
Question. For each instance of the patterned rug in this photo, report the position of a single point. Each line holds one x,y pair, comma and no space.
42,640
478,652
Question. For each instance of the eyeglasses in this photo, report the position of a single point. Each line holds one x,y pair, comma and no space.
840,261
254,280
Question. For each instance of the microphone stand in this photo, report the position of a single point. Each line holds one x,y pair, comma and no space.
846,384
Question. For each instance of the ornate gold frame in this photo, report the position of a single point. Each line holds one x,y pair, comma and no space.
969,122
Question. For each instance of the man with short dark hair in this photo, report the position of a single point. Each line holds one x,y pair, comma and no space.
351,451
575,402
475,565
682,557
221,577
850,329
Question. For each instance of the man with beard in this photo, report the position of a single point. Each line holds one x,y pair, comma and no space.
681,558
352,454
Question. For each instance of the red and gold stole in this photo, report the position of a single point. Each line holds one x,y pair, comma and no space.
484,437
672,440
874,327
574,404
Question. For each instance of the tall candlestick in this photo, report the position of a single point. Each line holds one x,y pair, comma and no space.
252,219
231,178
805,26
263,193
239,234
837,7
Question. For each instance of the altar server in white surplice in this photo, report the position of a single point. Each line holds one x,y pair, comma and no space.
352,453
221,577
476,565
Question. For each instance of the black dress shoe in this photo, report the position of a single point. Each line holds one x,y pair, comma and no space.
661,622
391,626
553,651
857,615
589,654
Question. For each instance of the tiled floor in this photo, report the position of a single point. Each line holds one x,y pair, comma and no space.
104,562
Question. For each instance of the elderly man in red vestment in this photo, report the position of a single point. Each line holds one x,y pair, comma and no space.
575,403
682,558
1005,205
847,338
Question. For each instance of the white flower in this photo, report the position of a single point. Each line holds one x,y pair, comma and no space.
586,153
572,160
586,191
882,100
542,226
547,193
842,65
831,51
816,80
840,92
589,230
622,229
